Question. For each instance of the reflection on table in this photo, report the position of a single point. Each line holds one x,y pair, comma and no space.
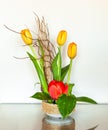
49,123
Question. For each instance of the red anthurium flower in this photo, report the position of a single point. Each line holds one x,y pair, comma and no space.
56,88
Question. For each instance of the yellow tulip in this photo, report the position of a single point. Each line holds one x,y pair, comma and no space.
62,36
26,36
72,50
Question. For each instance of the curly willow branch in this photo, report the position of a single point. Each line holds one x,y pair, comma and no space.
48,47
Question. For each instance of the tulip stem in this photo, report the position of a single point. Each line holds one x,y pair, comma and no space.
34,54
69,71
33,51
59,63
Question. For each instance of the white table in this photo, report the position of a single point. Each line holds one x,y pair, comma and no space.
30,117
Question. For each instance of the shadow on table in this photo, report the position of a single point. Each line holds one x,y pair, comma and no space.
93,128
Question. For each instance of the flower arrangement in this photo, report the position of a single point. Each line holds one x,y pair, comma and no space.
55,88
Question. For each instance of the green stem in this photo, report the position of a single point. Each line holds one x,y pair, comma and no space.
59,63
69,71
33,51
34,54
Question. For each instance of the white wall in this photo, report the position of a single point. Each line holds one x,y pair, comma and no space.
87,24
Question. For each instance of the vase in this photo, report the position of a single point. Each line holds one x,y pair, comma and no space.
53,116
52,110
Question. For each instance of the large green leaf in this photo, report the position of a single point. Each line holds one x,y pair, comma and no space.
64,72
66,104
40,73
86,99
56,67
41,96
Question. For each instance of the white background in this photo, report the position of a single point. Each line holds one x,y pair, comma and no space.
86,22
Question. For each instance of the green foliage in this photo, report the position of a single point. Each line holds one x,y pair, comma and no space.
40,73
66,104
64,72
86,99
56,67
41,96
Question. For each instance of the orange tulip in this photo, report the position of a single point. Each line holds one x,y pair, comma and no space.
61,38
72,50
26,36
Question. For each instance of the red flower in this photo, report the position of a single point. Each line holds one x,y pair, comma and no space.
56,88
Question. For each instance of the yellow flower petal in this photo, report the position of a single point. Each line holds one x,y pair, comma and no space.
61,38
26,36
72,50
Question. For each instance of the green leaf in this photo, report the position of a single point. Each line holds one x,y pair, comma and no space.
40,73
41,96
86,99
66,104
56,67
70,88
64,72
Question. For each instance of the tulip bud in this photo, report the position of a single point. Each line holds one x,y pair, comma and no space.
72,50
62,36
26,36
